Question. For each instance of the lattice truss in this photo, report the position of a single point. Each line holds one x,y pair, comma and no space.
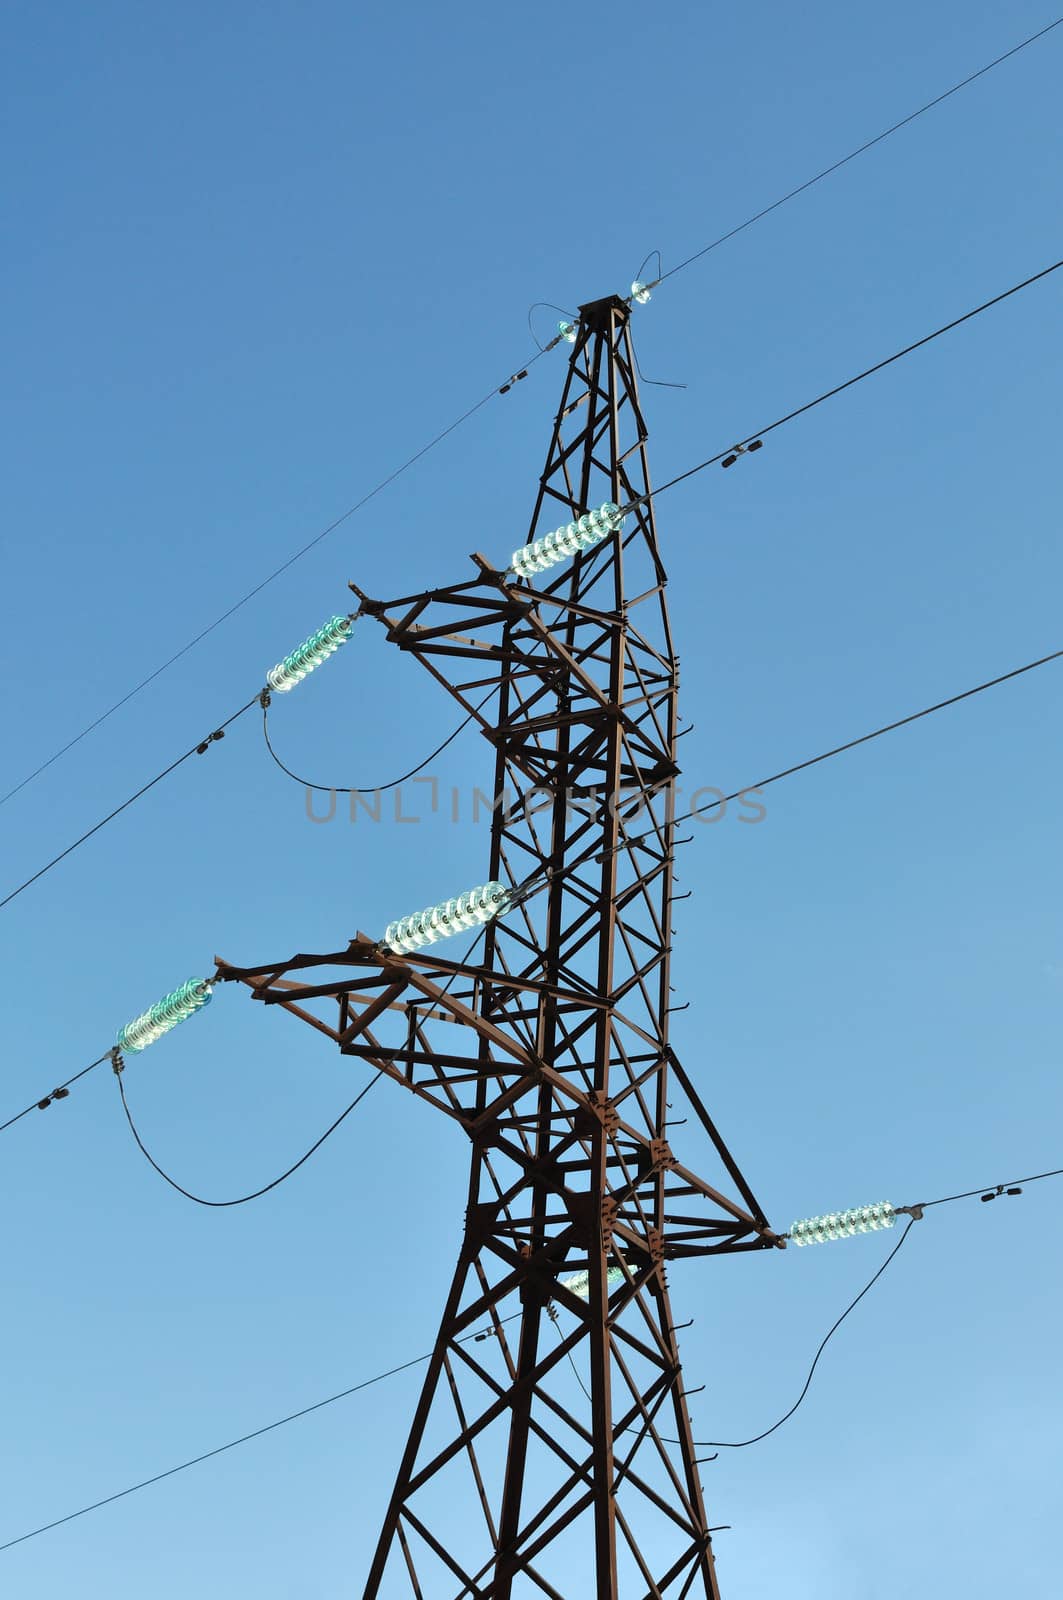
539,1461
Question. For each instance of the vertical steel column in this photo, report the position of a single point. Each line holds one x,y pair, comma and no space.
551,1452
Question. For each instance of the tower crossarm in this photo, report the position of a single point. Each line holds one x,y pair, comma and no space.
516,643
387,1011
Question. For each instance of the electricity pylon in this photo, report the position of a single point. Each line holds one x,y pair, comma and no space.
550,1049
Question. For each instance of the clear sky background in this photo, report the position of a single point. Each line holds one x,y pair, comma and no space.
255,256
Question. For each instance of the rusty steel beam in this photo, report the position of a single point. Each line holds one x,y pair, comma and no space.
550,1451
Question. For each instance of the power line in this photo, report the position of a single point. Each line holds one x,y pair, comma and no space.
200,749
483,1333
243,1199
379,788
297,555
839,388
537,881
196,749
740,1444
59,1093
995,1189
551,1311
502,389
990,1190
245,1438
859,151
62,1091
650,495
250,595
531,885
865,738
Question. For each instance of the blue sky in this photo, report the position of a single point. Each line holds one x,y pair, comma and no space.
255,257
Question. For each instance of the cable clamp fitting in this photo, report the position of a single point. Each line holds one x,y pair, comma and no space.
1000,1189
117,1063
56,1094
741,450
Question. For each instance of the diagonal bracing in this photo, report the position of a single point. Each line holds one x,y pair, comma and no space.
540,1458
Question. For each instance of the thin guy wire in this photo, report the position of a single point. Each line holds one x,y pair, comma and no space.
245,1438
835,166
258,1193
165,773
380,788
839,388
386,482
39,1103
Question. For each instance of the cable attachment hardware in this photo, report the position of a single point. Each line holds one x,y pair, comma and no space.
117,1061
915,1212
642,287
741,450
522,891
56,1094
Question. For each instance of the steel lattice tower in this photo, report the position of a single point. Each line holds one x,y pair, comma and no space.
550,1049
